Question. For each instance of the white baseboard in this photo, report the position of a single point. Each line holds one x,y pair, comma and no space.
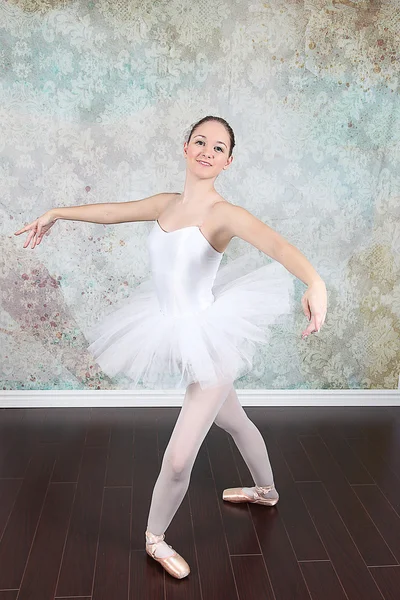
167,398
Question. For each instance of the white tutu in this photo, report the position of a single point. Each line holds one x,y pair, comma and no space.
210,345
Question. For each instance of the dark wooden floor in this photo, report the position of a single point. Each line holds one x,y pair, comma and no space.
75,488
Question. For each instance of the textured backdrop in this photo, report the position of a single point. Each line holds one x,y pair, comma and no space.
96,99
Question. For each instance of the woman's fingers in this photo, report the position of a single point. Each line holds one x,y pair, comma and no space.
306,308
28,239
314,326
38,234
42,236
34,240
23,229
31,230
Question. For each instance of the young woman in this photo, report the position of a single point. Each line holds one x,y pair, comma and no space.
195,321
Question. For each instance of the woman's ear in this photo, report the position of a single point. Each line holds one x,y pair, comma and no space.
230,159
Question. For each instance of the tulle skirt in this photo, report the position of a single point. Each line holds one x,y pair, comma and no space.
215,345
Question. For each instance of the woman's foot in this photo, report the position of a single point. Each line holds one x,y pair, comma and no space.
266,495
160,548
163,553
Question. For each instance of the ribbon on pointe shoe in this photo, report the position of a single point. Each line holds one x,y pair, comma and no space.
262,490
153,539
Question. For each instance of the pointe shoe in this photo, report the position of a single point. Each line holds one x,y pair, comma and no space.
238,495
175,565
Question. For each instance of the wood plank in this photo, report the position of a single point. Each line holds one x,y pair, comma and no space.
112,567
351,421
369,542
77,570
351,467
385,439
342,551
120,455
394,411
322,581
21,526
9,490
20,436
57,423
283,569
8,594
388,581
293,452
381,512
387,479
252,578
298,524
147,577
72,443
98,433
40,577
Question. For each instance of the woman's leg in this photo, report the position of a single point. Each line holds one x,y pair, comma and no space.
198,412
248,439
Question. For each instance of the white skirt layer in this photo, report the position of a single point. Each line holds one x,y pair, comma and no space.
217,344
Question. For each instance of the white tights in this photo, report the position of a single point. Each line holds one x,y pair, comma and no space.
200,409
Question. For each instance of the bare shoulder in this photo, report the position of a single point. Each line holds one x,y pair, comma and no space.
236,221
145,209
226,215
219,230
164,200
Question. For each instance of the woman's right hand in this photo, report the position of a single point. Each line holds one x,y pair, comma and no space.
38,228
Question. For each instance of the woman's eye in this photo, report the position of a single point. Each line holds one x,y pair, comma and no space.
202,142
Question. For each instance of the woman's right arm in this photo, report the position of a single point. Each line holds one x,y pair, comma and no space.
147,209
109,213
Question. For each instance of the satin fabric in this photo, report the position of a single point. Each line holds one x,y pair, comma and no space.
184,266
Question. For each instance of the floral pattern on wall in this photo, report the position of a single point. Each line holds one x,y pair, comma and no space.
96,99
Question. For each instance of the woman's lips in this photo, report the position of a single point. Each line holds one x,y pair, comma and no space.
205,164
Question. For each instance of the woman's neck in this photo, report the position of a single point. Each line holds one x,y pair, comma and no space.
197,191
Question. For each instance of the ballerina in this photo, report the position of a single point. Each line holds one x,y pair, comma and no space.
196,324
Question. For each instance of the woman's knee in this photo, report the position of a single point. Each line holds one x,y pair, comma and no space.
228,427
177,465
232,424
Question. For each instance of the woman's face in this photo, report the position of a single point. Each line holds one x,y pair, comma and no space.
210,144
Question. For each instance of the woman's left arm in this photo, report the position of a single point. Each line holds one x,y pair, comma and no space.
315,298
243,224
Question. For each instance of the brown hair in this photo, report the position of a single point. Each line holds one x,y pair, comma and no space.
220,120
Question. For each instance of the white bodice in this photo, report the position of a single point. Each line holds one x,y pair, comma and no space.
183,265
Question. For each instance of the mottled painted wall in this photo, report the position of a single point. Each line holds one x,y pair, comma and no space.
95,101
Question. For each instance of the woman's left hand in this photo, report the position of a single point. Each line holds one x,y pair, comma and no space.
314,303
